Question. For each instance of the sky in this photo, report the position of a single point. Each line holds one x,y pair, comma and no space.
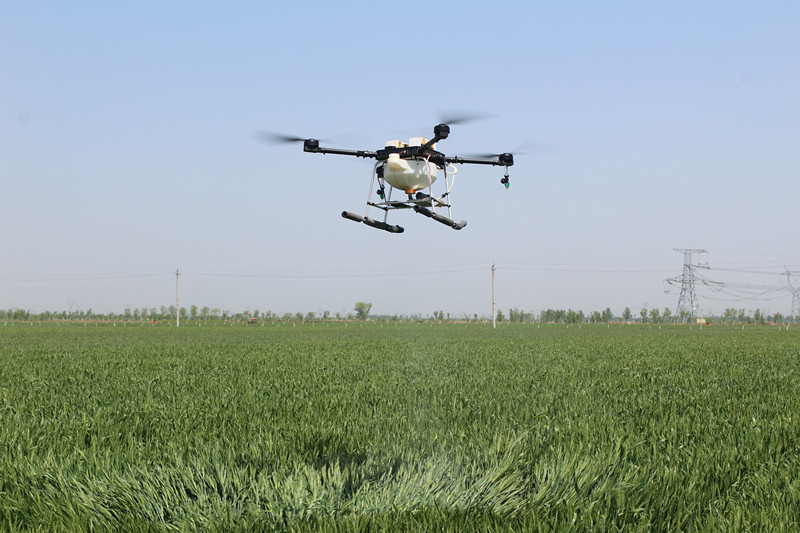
127,152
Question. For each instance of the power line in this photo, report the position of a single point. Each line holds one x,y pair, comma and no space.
382,272
743,299
342,274
83,277
610,270
748,271
690,280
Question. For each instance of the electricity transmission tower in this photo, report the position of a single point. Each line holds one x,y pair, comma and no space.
795,314
687,302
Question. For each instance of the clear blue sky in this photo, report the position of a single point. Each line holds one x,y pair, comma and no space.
126,152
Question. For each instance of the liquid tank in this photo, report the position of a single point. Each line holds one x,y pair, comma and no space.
408,175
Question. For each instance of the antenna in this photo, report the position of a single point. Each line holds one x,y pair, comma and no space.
688,299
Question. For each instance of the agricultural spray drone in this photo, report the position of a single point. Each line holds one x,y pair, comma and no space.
407,170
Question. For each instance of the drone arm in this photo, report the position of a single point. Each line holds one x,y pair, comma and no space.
440,132
503,160
312,145
338,151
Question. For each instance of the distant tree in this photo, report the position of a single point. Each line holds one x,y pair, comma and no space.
667,314
517,315
627,315
777,317
729,315
595,317
758,318
643,314
655,317
500,317
362,310
298,316
193,312
607,315
310,316
326,315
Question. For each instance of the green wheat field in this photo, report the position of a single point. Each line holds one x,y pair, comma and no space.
398,427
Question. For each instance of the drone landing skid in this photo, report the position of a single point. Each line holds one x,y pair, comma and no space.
399,229
439,218
373,223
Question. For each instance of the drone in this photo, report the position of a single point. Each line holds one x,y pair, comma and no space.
403,176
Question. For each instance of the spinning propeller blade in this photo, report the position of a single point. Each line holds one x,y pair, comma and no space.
278,138
453,118
530,148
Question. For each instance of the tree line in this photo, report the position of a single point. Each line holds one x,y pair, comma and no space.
361,311
645,316
193,312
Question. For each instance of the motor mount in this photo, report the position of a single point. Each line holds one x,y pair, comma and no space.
442,131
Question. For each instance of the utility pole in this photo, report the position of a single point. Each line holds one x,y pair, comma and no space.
177,299
688,298
795,314
494,313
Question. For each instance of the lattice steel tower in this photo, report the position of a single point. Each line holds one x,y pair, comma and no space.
688,298
795,296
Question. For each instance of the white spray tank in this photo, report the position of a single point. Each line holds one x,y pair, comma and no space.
408,175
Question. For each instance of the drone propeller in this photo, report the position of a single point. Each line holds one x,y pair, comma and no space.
278,138
454,118
529,148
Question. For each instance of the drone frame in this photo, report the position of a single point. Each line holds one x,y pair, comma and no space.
425,204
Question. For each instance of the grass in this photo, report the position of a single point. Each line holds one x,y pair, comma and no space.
450,427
